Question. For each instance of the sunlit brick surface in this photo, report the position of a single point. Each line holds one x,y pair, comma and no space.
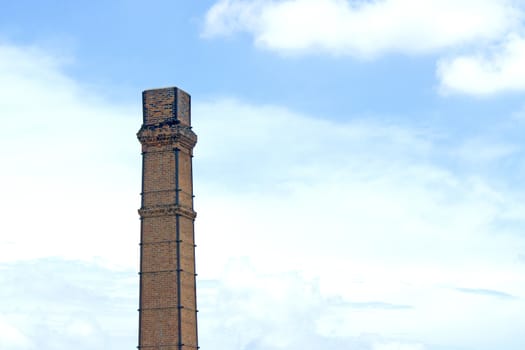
168,318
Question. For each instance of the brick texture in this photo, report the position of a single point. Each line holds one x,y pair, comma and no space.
168,306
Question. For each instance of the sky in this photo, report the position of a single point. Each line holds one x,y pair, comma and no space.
358,174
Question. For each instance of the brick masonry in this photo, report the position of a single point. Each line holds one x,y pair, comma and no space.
168,308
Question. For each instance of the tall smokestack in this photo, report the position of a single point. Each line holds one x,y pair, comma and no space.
168,307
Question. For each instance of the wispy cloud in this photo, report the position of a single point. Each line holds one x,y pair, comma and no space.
487,292
379,305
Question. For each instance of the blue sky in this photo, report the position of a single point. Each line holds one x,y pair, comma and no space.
358,175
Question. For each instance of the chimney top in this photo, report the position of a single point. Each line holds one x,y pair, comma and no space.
166,105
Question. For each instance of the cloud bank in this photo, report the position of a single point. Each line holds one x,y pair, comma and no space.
59,143
374,210
310,232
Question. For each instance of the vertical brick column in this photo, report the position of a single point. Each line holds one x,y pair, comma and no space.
168,312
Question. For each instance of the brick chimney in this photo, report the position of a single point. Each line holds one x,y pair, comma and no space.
168,307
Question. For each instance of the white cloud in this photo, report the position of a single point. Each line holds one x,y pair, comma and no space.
58,304
362,28
489,32
372,210
496,69
249,309
59,141
11,337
